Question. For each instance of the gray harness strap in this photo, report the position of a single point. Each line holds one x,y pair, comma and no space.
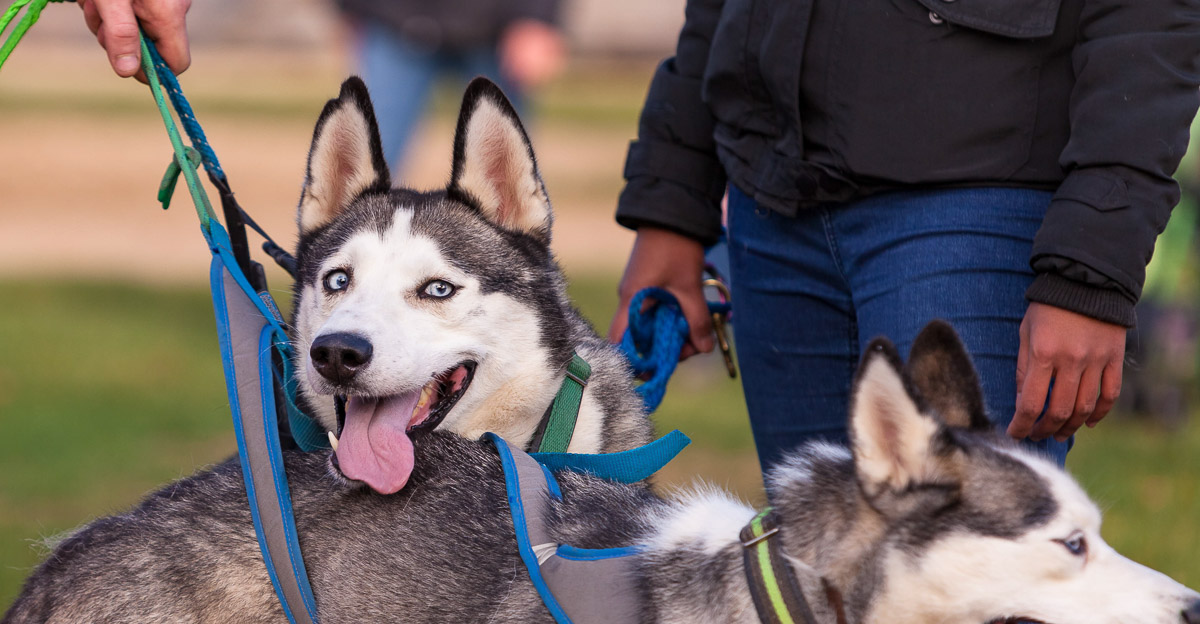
585,586
250,352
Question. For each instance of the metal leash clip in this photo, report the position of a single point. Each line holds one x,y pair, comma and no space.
720,317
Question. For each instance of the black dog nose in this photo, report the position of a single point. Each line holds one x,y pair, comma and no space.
1192,614
338,357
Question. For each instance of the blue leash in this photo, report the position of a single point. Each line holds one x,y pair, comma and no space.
654,339
306,433
187,118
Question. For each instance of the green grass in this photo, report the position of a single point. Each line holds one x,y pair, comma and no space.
1147,482
107,391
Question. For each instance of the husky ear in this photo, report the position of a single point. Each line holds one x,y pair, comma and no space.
892,439
494,167
345,160
941,370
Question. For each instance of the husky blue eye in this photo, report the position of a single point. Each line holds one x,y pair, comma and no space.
1077,544
337,280
438,289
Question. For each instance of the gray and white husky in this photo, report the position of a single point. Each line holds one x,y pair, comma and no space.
443,309
929,517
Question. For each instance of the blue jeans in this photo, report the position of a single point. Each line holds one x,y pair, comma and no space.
401,74
811,291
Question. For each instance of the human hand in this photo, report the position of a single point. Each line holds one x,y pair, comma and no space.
115,24
673,262
531,52
1082,355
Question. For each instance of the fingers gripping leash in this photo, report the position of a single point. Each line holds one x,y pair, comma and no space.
656,335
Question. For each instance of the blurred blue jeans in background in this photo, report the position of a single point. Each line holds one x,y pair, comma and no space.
401,76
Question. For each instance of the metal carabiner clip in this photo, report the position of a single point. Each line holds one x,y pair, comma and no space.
720,319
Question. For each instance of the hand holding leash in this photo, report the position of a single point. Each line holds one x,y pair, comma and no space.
656,334
115,24
664,259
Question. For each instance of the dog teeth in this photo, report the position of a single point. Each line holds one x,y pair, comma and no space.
426,393
333,441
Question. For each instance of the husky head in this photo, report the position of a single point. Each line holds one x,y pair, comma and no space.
425,309
939,519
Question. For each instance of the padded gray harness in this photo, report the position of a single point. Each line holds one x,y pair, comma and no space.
594,586
577,585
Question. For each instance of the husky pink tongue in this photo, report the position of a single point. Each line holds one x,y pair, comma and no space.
374,447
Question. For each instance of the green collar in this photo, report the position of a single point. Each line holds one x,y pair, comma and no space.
554,433
777,596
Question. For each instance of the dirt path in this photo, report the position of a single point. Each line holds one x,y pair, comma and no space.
82,154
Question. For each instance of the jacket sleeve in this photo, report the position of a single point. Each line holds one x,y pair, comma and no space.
673,177
1135,95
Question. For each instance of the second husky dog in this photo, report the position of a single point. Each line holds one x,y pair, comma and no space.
443,309
929,518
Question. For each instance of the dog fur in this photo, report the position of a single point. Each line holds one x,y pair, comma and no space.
929,517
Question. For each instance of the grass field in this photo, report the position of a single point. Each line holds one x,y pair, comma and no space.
107,391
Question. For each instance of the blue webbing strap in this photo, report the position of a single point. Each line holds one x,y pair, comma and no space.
308,434
625,466
270,427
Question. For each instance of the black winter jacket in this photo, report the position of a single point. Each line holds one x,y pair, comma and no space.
800,102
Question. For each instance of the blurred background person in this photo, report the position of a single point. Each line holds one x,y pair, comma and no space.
404,46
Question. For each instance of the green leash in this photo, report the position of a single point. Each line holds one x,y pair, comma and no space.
31,16
183,163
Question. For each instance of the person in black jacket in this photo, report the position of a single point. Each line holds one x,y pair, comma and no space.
1004,165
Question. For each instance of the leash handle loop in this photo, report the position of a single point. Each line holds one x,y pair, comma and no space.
654,338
